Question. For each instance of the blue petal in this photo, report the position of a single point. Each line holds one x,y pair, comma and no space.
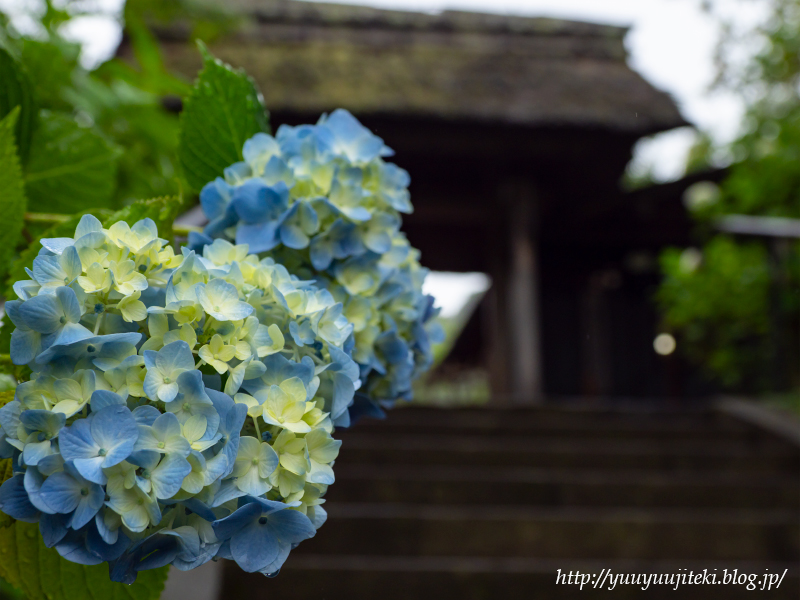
76,442
259,237
226,492
197,241
71,264
199,508
91,469
221,401
321,253
57,245
53,528
176,355
73,548
42,420
121,570
363,406
88,224
158,550
343,392
214,198
43,313
169,475
86,348
9,415
35,451
32,481
293,237
115,430
233,523
68,334
25,345
254,546
97,545
251,201
61,492
167,425
14,500
273,568
69,301
88,506
150,359
146,414
103,398
342,362
290,526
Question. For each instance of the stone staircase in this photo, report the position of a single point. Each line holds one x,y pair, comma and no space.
482,504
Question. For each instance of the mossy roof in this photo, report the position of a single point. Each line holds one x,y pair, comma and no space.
314,57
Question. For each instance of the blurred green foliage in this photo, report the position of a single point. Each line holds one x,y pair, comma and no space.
735,304
116,105
720,307
96,140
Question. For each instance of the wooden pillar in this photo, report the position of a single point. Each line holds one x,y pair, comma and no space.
517,295
523,306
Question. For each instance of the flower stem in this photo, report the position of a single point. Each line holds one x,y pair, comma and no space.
98,323
32,217
185,229
258,431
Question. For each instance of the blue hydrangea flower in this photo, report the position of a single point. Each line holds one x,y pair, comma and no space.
68,492
126,442
322,200
163,369
101,441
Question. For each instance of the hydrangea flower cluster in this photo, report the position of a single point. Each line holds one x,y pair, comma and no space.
180,407
322,201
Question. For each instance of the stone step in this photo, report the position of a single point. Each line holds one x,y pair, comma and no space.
513,450
464,484
430,530
367,577
650,431
530,420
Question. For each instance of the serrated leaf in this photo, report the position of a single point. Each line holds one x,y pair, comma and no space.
12,192
71,168
42,574
222,111
16,90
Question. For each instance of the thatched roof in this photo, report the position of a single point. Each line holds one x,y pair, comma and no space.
310,58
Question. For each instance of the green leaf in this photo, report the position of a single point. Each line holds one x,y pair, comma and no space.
222,111
12,192
71,168
42,574
50,64
16,90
